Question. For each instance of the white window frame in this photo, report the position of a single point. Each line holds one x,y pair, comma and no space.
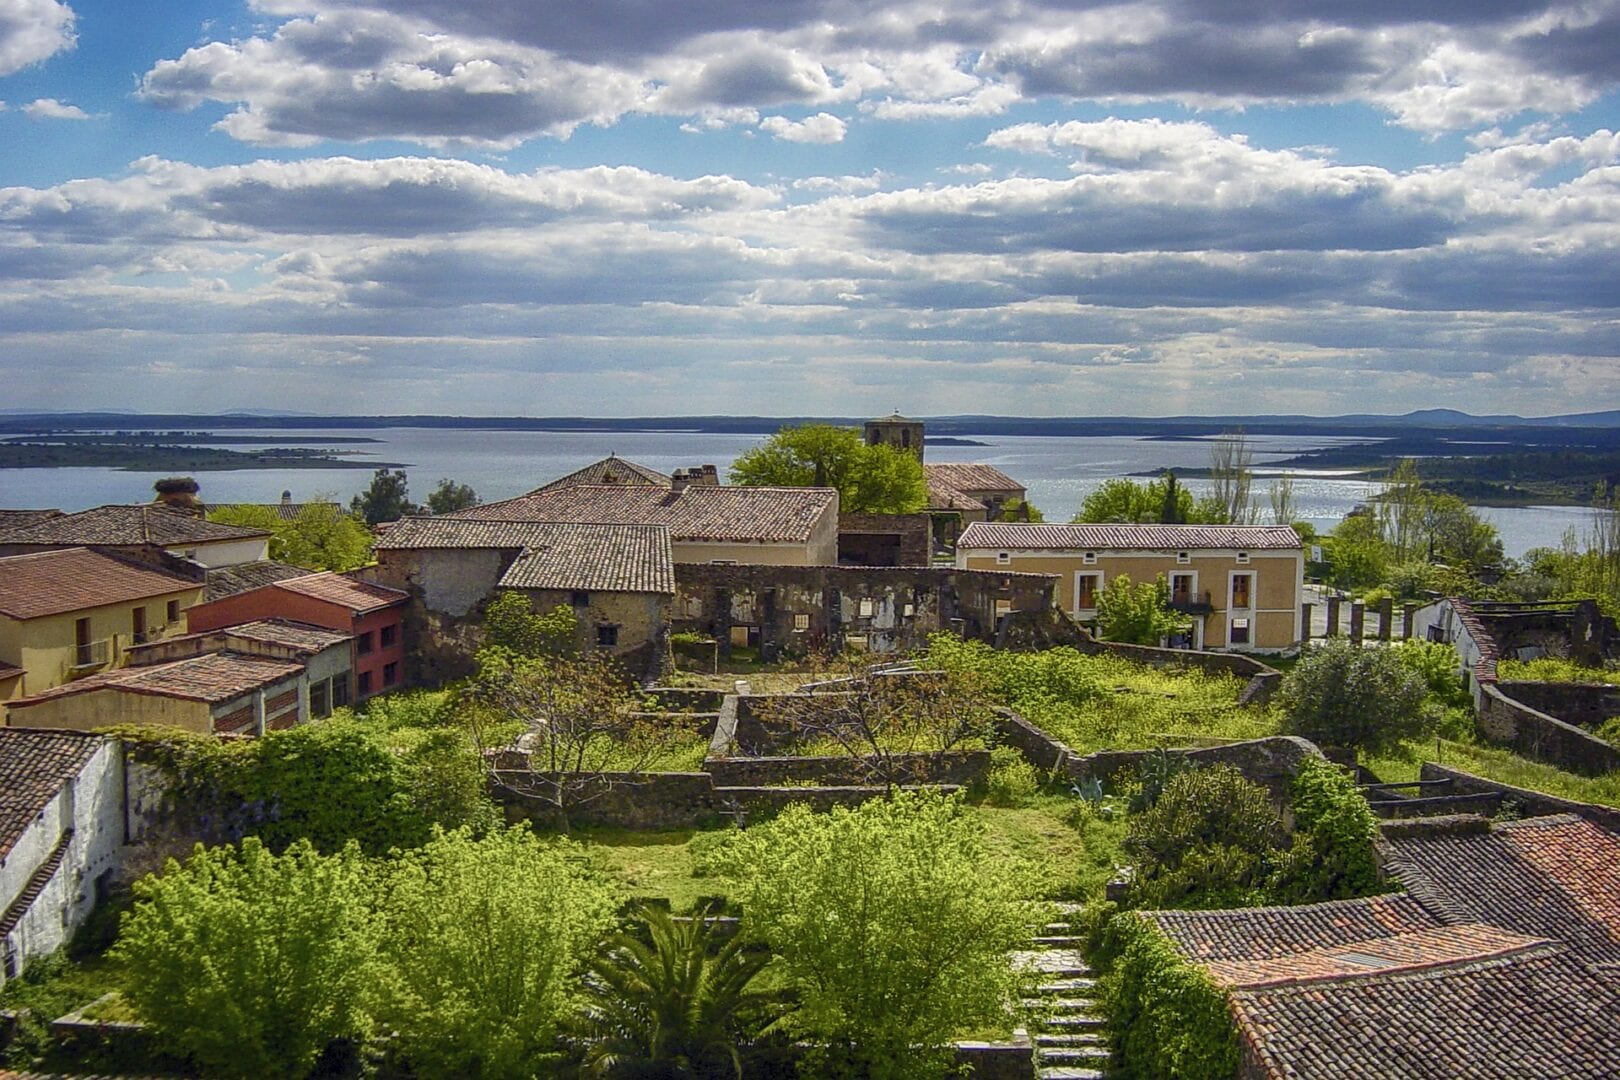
1231,585
1243,558
1250,613
1193,591
1089,558
1183,558
1003,558
1098,574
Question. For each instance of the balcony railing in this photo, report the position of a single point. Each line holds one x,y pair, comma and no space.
93,654
1191,603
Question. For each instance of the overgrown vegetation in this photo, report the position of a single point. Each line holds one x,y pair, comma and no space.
319,537
1341,694
1138,614
1554,669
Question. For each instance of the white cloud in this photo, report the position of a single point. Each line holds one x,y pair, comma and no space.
51,109
33,30
820,128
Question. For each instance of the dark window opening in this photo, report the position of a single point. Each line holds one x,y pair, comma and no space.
81,642
319,699
365,682
340,691
607,636
579,598
137,624
390,674
174,611
363,645
388,635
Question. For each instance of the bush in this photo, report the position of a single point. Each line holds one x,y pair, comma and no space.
485,945
1012,781
1138,614
1438,666
1167,1019
1333,855
893,924
1361,697
1207,843
250,963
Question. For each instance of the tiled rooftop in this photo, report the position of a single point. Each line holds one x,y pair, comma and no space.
697,514
941,496
971,476
1267,932
287,632
230,580
612,470
13,519
553,555
988,534
122,526
359,596
33,767
74,579
213,678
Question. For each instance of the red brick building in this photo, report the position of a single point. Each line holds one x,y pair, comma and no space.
374,614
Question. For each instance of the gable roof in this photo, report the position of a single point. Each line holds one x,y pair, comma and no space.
301,637
12,519
991,534
33,767
611,470
123,526
553,554
971,476
334,588
941,496
210,678
226,581
720,514
73,579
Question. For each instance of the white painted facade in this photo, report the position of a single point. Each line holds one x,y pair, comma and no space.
219,553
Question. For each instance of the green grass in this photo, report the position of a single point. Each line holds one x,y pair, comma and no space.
1504,767
1553,669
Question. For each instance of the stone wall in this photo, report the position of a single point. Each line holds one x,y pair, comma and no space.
963,767
884,539
1537,735
1586,705
1530,803
795,610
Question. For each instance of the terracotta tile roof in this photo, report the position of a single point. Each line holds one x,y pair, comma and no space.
296,635
941,496
989,534
287,511
122,526
12,519
611,470
1249,934
357,596
229,580
33,767
604,558
971,476
435,533
1412,951
213,678
73,579
720,514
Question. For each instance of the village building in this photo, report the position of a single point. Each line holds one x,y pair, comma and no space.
61,829
707,523
614,470
1497,961
372,614
139,529
617,579
959,493
326,655
1241,585
223,581
72,612
222,693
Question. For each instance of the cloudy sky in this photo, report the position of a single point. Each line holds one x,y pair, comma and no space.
621,207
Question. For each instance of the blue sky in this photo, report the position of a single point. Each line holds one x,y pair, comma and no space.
1042,207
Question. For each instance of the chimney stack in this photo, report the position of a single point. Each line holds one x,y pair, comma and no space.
679,481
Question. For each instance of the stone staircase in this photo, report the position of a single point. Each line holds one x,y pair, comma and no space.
1065,1022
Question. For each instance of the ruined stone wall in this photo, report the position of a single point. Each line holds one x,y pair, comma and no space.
1546,738
1585,705
884,539
1531,803
947,767
794,610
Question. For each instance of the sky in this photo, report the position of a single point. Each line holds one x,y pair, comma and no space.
791,207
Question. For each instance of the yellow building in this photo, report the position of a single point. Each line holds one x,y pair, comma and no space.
71,613
1240,584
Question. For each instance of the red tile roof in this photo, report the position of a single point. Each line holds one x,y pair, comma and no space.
123,526
990,534
357,596
611,470
971,476
701,513
226,581
212,678
33,767
941,496
74,579
553,555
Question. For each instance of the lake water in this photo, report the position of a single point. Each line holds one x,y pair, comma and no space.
1058,471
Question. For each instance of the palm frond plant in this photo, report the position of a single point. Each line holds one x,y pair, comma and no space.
673,1006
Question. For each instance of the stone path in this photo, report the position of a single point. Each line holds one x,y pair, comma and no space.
1065,1021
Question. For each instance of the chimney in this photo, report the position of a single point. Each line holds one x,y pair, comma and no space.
711,476
679,481
286,498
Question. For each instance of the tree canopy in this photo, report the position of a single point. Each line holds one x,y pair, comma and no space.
870,479
1347,695
1138,614
385,500
319,537
1163,500
450,496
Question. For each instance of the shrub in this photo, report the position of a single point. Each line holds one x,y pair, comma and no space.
1206,843
1167,1019
1138,614
891,922
1333,855
1344,695
485,944
1012,780
511,623
1438,666
250,962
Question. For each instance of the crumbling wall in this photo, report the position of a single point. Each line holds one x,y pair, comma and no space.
1546,738
884,539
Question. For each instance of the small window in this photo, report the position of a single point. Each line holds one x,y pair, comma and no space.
363,644
801,622
388,635
1086,589
1240,632
364,679
1003,558
340,691
1243,558
579,598
1242,590
320,704
1183,557
174,611
1089,558
607,636
390,674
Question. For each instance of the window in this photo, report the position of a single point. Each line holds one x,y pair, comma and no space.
363,644
340,690
1240,632
388,635
364,679
579,598
1086,588
320,703
1182,589
1183,557
607,636
137,624
173,612
801,622
85,654
1003,558
1243,558
390,673
1242,591
1003,607
1089,558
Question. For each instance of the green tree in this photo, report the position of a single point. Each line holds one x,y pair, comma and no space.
1206,842
1458,536
870,479
1364,698
678,1004
1172,511
1020,510
1358,556
510,622
250,963
894,924
485,942
385,500
1161,501
319,537
1138,614
1400,511
1231,476
450,496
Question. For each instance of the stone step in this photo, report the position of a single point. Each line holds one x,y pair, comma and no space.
1088,1038
1057,1006
1073,1055
1069,984
1058,941
1069,1072
1053,961
1058,928
1076,1023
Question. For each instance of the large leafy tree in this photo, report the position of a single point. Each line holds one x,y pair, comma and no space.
450,496
1159,501
510,622
319,537
1358,554
1343,694
387,499
1139,613
869,479
892,921
250,963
